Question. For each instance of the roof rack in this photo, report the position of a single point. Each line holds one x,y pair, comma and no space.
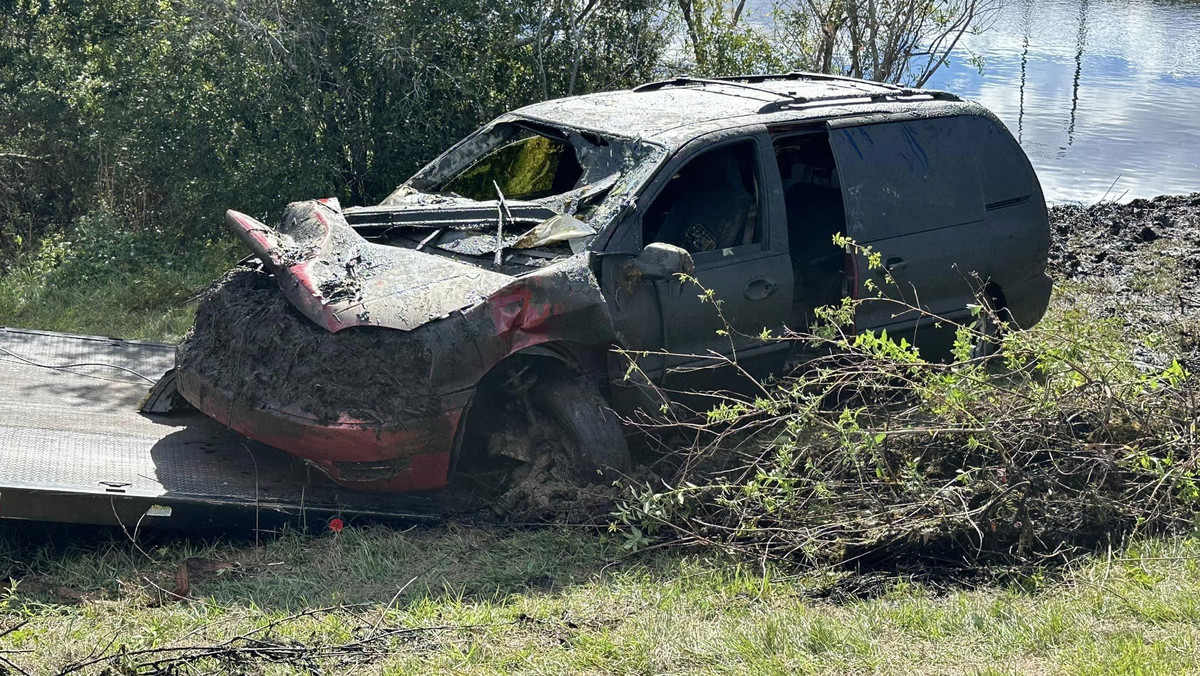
683,81
745,81
790,99
934,94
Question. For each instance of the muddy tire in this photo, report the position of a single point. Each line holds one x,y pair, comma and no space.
591,432
988,328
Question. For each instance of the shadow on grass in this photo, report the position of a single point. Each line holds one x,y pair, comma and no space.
293,571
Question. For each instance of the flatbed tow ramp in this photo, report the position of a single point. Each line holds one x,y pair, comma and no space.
75,449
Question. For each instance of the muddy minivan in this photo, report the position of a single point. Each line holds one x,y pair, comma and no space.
484,306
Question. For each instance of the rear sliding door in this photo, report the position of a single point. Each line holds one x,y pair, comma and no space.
912,193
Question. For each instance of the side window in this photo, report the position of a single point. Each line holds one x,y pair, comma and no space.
909,177
712,203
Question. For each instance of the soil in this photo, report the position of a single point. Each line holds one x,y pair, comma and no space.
1138,263
549,489
251,342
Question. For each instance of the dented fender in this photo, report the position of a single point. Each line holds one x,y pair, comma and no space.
561,303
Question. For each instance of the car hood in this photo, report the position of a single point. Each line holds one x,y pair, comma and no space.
338,279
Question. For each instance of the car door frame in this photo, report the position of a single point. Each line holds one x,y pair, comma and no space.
773,243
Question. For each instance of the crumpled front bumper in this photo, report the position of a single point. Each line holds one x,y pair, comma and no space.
358,454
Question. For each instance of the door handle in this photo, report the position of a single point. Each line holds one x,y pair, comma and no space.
894,264
760,289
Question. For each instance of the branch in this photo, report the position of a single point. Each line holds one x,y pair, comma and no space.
18,157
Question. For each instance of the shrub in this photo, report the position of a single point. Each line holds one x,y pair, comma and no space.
871,453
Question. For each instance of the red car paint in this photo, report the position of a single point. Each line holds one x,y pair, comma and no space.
424,446
302,292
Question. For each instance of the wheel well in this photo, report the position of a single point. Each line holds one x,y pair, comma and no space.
509,379
995,295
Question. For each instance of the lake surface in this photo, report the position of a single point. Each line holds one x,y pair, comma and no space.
1103,95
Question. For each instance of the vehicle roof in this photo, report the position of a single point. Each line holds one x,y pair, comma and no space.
670,112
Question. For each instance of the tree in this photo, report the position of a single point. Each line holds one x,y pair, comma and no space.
164,113
722,42
901,41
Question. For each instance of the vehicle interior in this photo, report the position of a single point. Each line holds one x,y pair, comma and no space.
813,198
530,167
712,203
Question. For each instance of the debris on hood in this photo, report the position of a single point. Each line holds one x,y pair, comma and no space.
532,163
560,228
338,279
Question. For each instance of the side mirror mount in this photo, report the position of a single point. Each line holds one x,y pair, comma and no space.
660,260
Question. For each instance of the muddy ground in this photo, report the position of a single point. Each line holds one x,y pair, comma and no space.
1138,263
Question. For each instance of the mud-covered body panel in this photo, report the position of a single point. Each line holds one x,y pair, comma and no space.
338,279
375,408
412,456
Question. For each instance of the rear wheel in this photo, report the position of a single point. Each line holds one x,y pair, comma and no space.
988,328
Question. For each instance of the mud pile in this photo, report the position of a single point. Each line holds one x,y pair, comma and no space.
249,341
1137,262
1118,240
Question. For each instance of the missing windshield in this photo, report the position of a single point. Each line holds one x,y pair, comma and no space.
529,167
563,169
532,191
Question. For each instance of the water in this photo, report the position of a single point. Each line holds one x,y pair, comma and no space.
1104,95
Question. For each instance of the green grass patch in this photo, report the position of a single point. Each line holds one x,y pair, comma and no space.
121,285
467,599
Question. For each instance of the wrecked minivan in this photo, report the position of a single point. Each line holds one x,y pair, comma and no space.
486,307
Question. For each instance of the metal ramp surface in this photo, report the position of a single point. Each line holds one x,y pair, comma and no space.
74,448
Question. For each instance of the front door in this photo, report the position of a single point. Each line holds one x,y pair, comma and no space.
716,204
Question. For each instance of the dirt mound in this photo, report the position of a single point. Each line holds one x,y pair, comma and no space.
1138,263
249,341
1114,240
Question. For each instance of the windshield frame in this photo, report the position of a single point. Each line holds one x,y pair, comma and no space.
639,159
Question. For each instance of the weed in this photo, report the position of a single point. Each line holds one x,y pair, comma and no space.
113,282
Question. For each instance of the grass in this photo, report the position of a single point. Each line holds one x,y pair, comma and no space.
562,601
148,302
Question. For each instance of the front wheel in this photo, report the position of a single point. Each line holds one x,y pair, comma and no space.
591,432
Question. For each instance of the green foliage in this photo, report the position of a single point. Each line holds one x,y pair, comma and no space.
1060,443
129,126
723,43
168,113
109,281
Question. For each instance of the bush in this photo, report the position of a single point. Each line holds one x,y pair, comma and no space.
870,453
110,279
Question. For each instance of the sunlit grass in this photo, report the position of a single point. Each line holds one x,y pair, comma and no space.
563,601
155,301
